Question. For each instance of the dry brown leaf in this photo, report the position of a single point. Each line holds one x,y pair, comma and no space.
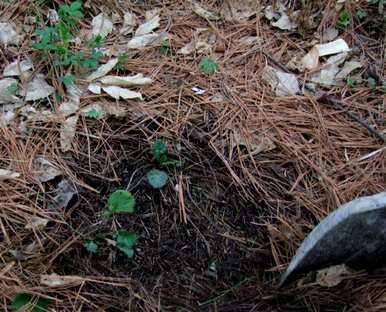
6,174
45,170
204,13
36,222
55,280
332,276
129,23
16,68
103,70
37,89
148,26
8,34
118,92
238,11
67,132
202,41
101,25
284,84
140,42
136,80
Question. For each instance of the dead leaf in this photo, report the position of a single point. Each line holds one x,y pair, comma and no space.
348,68
279,17
204,13
16,68
6,174
148,26
64,193
104,110
118,92
26,252
332,276
95,88
103,70
72,105
238,11
8,34
255,142
284,84
45,170
36,223
136,80
7,117
250,40
67,132
327,75
37,89
101,25
55,280
143,41
328,35
129,22
6,97
202,41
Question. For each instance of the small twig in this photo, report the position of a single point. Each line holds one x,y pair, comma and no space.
340,105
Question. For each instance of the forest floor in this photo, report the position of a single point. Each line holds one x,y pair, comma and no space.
252,164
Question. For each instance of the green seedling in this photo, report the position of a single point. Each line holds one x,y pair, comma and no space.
361,14
165,47
91,246
125,242
120,202
12,88
160,153
67,80
208,66
350,83
372,83
123,59
344,19
93,113
157,178
384,86
36,304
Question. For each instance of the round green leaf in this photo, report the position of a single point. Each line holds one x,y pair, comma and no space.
157,178
126,241
121,201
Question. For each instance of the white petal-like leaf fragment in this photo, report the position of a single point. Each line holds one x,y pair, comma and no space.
16,68
101,25
37,89
129,22
348,67
118,92
136,80
279,17
141,42
148,26
67,132
94,88
45,170
36,222
8,34
284,23
332,276
72,105
198,91
7,97
327,75
282,83
7,117
103,70
55,280
311,59
6,174
204,13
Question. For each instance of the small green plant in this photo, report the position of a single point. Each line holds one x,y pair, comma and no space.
344,19
350,82
12,88
36,304
67,80
384,86
157,178
123,59
91,246
93,113
361,14
372,83
165,47
125,242
121,201
208,66
160,153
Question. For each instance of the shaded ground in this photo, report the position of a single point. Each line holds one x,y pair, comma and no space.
217,237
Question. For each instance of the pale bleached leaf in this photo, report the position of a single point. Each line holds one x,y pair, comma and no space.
327,75
104,110
55,280
250,40
94,88
348,68
148,26
67,132
36,222
279,17
37,89
44,170
136,80
332,276
7,117
129,22
103,70
204,13
101,25
143,41
64,193
16,68
255,142
284,84
284,23
238,11
149,14
6,174
53,16
118,92
8,34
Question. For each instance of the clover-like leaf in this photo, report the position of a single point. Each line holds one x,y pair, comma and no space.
208,66
157,178
121,201
125,242
91,246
